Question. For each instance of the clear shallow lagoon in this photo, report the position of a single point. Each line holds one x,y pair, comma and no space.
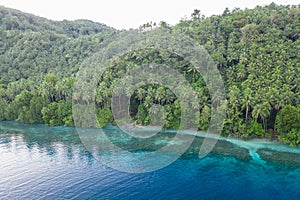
39,162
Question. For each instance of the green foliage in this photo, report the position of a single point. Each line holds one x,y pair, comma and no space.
11,19
292,137
142,116
256,52
58,113
3,109
288,125
254,129
38,46
288,119
12,111
258,56
204,118
84,112
104,116
36,105
173,116
49,115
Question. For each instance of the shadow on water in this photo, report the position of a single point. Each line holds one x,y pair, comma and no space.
50,140
40,162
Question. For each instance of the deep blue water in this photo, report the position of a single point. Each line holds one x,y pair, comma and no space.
38,162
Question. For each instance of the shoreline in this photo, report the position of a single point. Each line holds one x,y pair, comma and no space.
193,132
259,150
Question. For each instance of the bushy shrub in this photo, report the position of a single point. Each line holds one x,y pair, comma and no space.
288,125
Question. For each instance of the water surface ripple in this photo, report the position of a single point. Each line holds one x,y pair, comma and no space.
39,162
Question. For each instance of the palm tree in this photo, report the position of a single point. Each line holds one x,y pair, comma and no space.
148,102
159,95
233,97
140,94
262,110
246,102
193,70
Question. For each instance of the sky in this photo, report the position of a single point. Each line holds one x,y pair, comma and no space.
125,14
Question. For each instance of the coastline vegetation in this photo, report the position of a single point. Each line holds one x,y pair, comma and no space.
257,52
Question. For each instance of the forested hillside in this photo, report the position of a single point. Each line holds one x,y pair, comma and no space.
31,46
257,52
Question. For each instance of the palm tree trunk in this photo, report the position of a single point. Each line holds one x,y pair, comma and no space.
247,110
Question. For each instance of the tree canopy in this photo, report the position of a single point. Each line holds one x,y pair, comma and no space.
257,52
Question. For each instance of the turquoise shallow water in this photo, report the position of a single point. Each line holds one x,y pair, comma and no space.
38,162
